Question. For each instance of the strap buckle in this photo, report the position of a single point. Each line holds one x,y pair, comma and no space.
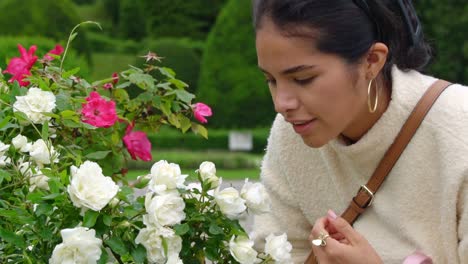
365,189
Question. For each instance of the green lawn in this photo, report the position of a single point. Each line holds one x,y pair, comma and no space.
225,174
104,64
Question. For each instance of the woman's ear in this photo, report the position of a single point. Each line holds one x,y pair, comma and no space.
376,59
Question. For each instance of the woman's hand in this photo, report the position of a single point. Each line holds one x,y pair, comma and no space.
344,244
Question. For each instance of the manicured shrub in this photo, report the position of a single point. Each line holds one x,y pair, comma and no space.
230,81
182,18
47,18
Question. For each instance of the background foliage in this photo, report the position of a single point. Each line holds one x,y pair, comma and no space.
230,80
219,32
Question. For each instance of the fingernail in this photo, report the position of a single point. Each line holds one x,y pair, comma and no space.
331,215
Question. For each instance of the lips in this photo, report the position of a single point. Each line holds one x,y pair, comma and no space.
304,126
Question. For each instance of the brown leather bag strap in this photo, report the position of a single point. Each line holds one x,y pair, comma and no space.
365,195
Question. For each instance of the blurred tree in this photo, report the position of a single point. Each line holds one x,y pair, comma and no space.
182,18
132,19
230,81
445,25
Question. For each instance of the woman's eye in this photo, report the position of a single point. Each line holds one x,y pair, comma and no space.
304,81
270,81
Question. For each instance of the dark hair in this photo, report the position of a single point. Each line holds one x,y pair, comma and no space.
348,28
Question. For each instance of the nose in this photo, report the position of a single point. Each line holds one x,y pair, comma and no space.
284,100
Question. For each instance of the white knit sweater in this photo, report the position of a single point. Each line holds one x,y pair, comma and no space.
423,203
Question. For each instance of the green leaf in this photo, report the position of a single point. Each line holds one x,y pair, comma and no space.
71,72
45,131
185,122
104,257
199,129
21,116
123,85
63,101
166,108
117,245
5,121
51,196
215,229
185,96
168,72
181,229
139,254
4,175
107,220
69,114
98,155
90,218
178,83
12,238
44,209
173,120
142,80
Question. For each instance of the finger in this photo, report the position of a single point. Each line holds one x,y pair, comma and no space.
346,230
319,227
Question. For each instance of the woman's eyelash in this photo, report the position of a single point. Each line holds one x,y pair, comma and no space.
304,81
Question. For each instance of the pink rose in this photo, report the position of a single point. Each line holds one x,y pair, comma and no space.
138,144
98,112
417,258
20,67
107,86
56,51
200,110
115,78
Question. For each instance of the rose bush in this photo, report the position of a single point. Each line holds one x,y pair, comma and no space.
64,194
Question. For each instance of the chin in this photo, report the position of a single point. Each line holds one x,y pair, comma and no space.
314,142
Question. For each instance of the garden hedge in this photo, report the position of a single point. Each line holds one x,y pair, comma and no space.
47,18
218,139
230,81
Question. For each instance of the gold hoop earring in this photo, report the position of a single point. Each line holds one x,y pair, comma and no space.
376,103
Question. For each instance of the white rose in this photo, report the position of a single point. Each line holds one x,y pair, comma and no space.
4,160
207,172
42,154
21,142
165,209
165,176
34,104
3,148
241,249
79,245
89,188
154,238
278,248
230,203
256,198
38,180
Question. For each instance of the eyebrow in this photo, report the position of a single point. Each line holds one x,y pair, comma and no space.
293,69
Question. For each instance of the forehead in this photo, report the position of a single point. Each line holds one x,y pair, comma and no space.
275,47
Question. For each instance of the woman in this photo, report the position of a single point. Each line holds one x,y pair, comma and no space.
344,76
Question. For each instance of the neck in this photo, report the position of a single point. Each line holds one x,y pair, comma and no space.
366,119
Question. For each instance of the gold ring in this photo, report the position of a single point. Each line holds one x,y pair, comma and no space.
321,241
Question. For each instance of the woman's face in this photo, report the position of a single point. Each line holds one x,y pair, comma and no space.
316,93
